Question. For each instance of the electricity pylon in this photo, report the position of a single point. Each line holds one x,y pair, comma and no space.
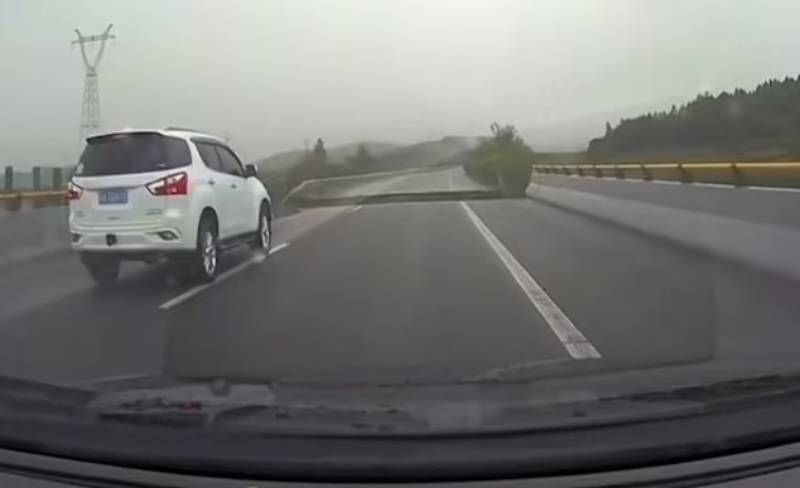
90,112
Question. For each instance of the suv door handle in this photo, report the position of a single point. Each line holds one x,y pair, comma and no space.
233,185
211,181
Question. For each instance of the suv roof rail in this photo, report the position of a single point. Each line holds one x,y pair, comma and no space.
185,129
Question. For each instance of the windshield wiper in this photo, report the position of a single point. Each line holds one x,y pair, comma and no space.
32,399
256,408
749,389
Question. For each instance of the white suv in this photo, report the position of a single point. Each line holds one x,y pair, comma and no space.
144,194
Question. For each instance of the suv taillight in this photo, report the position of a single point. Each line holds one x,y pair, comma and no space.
74,192
176,184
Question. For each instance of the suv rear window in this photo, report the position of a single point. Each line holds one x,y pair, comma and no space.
118,154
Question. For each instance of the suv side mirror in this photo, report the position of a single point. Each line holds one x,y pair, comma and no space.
250,170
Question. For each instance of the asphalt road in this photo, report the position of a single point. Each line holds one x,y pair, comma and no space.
405,292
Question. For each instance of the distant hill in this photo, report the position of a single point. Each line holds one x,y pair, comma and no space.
760,124
340,154
280,161
573,134
445,151
566,136
386,156
336,155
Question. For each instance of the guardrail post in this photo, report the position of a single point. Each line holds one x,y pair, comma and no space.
646,175
738,176
686,177
37,178
618,173
8,184
579,170
58,178
597,173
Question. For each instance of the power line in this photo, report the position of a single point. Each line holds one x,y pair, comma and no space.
90,111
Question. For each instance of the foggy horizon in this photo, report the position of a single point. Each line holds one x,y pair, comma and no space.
273,74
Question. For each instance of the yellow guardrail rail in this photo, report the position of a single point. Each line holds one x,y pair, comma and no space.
14,201
32,194
770,174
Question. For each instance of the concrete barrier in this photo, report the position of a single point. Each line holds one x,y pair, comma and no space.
753,227
314,192
29,233
774,206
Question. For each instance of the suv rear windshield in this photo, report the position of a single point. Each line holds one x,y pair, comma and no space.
118,154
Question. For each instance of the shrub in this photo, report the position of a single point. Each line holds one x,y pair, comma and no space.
502,161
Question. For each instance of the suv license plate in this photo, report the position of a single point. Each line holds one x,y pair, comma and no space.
113,197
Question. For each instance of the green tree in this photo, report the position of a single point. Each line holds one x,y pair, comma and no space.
362,158
320,153
728,124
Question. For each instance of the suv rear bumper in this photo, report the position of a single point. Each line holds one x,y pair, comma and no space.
160,237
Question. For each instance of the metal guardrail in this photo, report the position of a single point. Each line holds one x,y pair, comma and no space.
35,199
769,174
775,174
41,186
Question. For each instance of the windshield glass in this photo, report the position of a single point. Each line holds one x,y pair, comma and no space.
445,208
131,153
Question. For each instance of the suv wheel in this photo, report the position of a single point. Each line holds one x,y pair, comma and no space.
202,264
263,240
104,270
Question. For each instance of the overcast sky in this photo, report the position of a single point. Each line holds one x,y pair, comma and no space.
272,73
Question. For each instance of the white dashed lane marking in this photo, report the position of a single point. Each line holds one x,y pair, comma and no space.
576,344
258,258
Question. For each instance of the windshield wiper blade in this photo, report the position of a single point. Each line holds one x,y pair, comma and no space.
25,398
752,388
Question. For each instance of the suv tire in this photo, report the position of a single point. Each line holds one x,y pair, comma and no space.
263,238
203,262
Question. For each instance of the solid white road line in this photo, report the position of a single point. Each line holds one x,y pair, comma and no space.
772,188
356,208
571,338
220,278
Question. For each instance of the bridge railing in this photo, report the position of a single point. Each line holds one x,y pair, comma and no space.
770,174
41,186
